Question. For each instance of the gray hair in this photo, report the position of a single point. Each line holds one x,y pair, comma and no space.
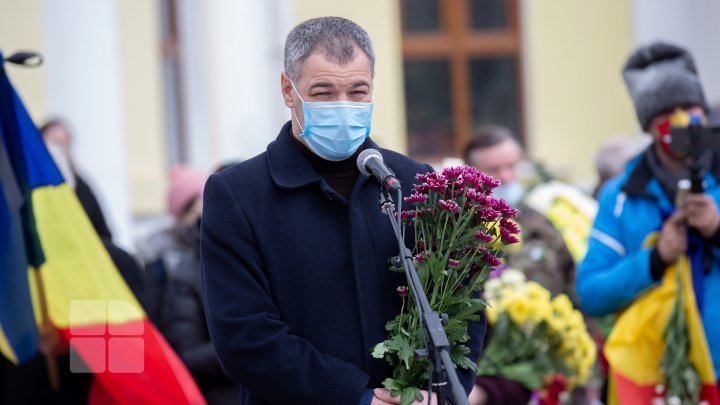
335,37
614,153
486,137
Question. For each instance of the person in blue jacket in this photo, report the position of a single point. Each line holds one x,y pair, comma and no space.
294,247
662,80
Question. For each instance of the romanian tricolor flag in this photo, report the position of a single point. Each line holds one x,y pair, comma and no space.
635,346
54,268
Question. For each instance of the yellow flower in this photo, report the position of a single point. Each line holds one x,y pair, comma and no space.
536,292
542,311
562,305
557,325
576,321
492,315
528,304
518,307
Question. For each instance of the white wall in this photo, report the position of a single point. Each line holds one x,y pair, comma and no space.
232,59
694,24
84,86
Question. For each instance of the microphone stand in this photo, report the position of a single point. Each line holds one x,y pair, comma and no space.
438,347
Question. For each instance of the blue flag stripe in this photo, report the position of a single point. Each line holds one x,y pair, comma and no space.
23,144
16,313
28,154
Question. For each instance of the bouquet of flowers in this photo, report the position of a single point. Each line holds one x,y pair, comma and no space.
681,377
534,339
459,229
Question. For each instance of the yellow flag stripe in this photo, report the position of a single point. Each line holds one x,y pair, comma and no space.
5,348
635,346
77,266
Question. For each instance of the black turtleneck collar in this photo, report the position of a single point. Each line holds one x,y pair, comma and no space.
340,175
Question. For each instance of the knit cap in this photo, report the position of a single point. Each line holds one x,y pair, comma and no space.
185,186
659,77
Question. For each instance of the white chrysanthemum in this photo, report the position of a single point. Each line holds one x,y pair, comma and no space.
492,288
512,277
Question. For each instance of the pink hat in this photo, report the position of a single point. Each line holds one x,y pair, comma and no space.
185,186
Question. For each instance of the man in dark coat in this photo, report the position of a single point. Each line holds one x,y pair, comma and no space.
294,246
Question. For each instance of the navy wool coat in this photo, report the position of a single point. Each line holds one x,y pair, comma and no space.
296,281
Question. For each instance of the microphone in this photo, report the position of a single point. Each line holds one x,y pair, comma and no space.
370,162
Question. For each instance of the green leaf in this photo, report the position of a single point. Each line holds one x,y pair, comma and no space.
456,331
459,356
405,350
423,270
471,306
379,350
394,386
410,395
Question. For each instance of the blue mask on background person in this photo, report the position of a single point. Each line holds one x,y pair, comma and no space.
511,192
334,130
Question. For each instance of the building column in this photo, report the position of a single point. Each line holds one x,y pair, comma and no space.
84,86
231,53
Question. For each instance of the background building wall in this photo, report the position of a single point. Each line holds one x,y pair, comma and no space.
575,97
21,29
691,24
141,70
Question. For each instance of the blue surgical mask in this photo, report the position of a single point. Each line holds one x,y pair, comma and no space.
334,130
511,192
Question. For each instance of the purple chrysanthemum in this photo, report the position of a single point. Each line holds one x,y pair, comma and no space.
508,236
416,198
449,206
402,290
488,214
452,173
453,263
407,215
511,226
491,259
422,188
482,236
436,182
488,181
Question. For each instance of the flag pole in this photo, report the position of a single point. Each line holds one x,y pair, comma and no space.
50,358
34,59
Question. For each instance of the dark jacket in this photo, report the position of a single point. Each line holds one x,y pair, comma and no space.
188,334
296,281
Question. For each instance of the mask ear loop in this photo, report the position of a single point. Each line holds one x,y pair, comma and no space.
293,109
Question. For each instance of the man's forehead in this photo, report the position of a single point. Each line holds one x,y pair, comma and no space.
318,63
499,153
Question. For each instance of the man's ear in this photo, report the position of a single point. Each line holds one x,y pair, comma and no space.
287,90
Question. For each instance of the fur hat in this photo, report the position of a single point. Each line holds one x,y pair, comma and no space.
185,186
659,77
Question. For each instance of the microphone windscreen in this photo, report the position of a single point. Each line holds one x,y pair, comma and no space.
363,158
